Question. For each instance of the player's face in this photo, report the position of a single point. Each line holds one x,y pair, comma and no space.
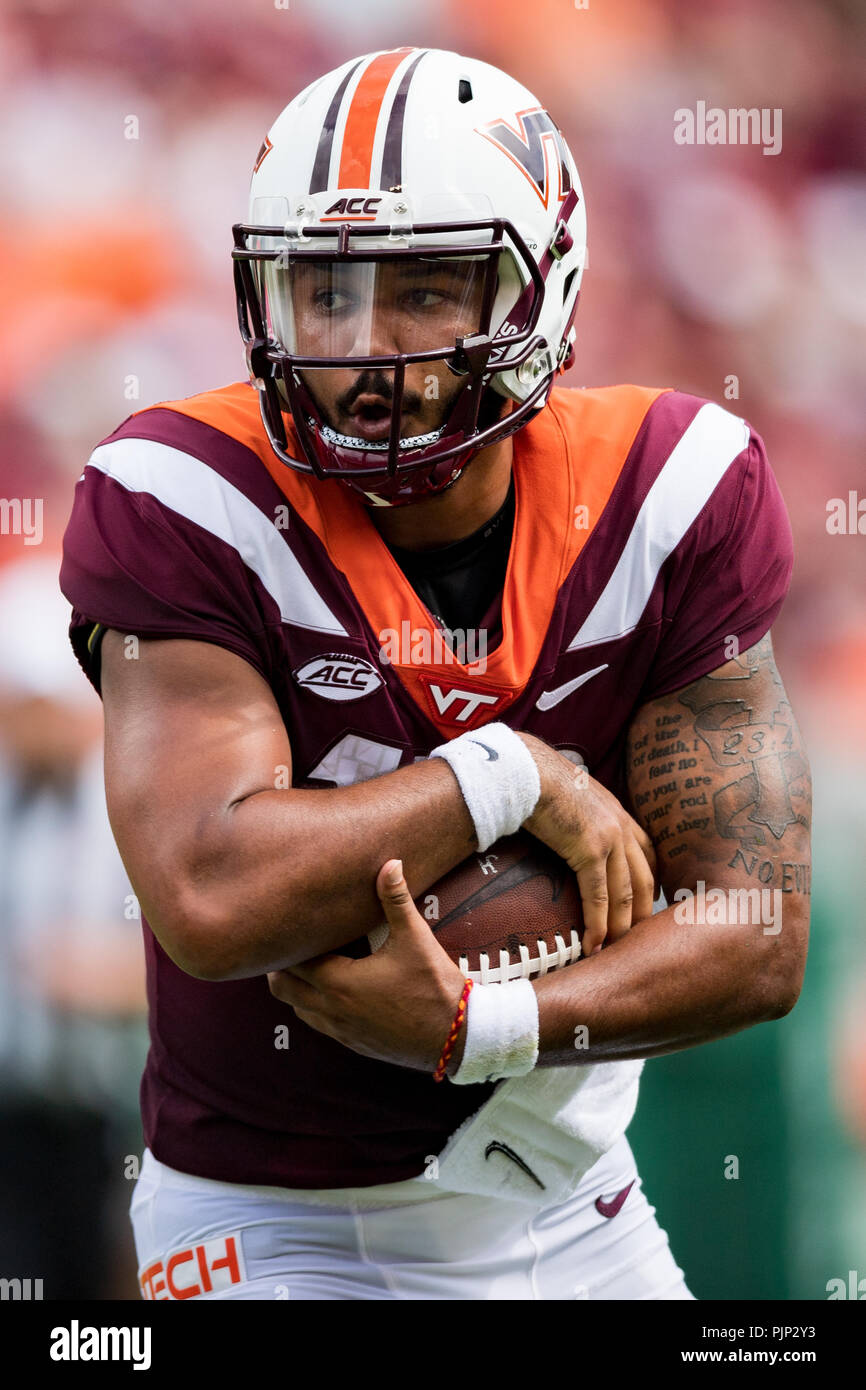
369,309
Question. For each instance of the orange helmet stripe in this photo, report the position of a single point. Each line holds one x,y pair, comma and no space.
356,157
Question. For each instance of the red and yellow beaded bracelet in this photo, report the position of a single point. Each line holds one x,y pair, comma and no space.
439,1073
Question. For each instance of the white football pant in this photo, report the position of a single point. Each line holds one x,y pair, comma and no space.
197,1238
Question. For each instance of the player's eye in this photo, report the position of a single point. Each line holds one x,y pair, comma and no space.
423,298
330,301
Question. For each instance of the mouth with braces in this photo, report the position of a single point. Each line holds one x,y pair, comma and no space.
350,441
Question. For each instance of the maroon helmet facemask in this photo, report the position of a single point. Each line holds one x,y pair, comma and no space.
292,299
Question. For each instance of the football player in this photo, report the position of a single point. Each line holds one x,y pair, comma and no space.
268,580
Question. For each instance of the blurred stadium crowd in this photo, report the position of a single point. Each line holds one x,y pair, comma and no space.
129,132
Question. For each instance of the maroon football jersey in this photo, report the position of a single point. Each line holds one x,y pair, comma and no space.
649,531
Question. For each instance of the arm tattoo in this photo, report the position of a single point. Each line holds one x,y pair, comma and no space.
718,775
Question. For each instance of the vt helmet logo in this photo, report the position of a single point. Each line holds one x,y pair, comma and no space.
265,149
530,144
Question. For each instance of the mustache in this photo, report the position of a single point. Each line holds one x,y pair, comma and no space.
376,383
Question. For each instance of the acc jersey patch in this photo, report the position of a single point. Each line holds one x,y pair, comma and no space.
338,676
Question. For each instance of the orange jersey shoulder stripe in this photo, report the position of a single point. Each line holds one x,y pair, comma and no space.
233,410
566,464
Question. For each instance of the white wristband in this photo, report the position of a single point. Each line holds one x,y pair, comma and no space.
498,778
501,1033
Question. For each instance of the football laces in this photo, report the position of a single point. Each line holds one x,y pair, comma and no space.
527,966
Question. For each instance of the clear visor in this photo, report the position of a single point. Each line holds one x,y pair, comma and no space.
364,308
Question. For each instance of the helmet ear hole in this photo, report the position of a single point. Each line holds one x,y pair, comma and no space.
567,284
491,408
464,91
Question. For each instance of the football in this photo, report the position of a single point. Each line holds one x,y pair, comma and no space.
511,913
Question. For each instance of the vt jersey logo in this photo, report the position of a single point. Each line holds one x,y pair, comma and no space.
464,706
533,144
338,676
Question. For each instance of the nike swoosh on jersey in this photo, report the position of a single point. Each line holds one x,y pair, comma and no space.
549,698
497,1146
612,1207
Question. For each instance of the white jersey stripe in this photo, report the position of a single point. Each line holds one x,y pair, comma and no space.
195,491
685,484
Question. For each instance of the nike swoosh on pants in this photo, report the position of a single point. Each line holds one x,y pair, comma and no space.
612,1207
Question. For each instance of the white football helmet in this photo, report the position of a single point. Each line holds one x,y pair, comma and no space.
398,178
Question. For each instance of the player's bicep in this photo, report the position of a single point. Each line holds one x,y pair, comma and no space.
191,729
719,778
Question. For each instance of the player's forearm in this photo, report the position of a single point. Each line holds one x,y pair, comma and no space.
282,876
270,878
668,985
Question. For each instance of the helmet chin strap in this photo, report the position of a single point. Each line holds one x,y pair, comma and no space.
490,410
414,486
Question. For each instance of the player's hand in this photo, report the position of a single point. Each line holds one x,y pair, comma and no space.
396,1005
612,856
